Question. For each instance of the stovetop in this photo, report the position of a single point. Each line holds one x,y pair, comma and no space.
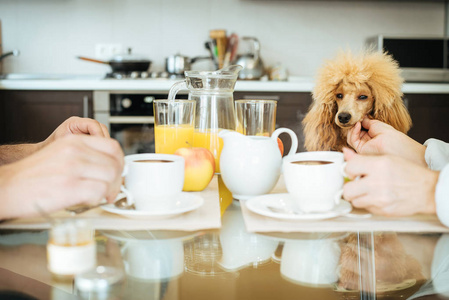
142,75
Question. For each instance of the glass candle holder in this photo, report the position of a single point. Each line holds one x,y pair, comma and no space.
71,248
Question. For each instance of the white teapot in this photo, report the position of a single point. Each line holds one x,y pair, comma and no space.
251,165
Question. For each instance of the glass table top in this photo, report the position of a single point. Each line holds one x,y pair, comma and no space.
231,263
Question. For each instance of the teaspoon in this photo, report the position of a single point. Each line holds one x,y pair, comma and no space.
78,209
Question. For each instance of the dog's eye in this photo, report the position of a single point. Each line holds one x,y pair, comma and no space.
363,97
340,96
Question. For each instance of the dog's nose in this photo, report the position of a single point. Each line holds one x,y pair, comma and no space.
344,118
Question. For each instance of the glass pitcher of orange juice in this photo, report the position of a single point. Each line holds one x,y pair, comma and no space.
213,93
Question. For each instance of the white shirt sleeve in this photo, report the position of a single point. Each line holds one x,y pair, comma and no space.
437,154
437,158
442,196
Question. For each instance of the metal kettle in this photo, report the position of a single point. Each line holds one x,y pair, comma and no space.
251,62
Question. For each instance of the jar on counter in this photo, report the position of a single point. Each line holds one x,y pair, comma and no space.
71,248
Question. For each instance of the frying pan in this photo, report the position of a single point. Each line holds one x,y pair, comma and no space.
123,63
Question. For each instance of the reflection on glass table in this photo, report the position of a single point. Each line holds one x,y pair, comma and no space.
232,263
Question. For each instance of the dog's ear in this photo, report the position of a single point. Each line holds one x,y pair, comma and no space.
394,113
386,85
320,131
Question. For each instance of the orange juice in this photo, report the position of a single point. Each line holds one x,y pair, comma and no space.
262,134
209,140
224,194
169,138
239,129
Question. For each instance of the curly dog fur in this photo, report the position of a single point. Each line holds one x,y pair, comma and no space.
349,88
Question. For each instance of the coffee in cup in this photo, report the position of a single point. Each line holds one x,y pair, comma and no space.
153,181
311,162
314,179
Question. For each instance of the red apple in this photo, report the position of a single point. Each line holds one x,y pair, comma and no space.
199,168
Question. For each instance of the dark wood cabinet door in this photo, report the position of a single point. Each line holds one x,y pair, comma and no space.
430,116
291,110
31,116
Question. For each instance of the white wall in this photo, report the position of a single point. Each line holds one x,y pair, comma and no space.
51,33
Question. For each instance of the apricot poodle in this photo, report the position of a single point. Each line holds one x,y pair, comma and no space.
349,88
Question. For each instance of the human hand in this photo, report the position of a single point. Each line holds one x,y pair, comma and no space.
389,185
72,170
77,125
382,138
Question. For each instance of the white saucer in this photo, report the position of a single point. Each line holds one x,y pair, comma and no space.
303,236
165,235
260,204
186,202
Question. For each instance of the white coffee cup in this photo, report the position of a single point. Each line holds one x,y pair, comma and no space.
152,181
314,179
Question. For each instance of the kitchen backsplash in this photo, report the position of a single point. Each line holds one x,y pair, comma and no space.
50,34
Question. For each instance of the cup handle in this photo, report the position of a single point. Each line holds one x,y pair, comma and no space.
292,135
345,176
129,196
338,197
343,172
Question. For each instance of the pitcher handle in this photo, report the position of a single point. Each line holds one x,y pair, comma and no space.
292,135
175,88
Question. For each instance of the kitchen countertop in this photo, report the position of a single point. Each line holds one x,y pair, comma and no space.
96,82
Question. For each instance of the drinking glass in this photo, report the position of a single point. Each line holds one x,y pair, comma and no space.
174,122
255,117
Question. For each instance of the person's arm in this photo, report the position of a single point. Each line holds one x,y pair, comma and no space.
380,138
73,125
72,170
12,153
390,185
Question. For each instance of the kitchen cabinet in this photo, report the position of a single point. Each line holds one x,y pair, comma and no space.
430,116
31,116
291,110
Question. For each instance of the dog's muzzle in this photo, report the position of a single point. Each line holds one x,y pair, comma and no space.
344,118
